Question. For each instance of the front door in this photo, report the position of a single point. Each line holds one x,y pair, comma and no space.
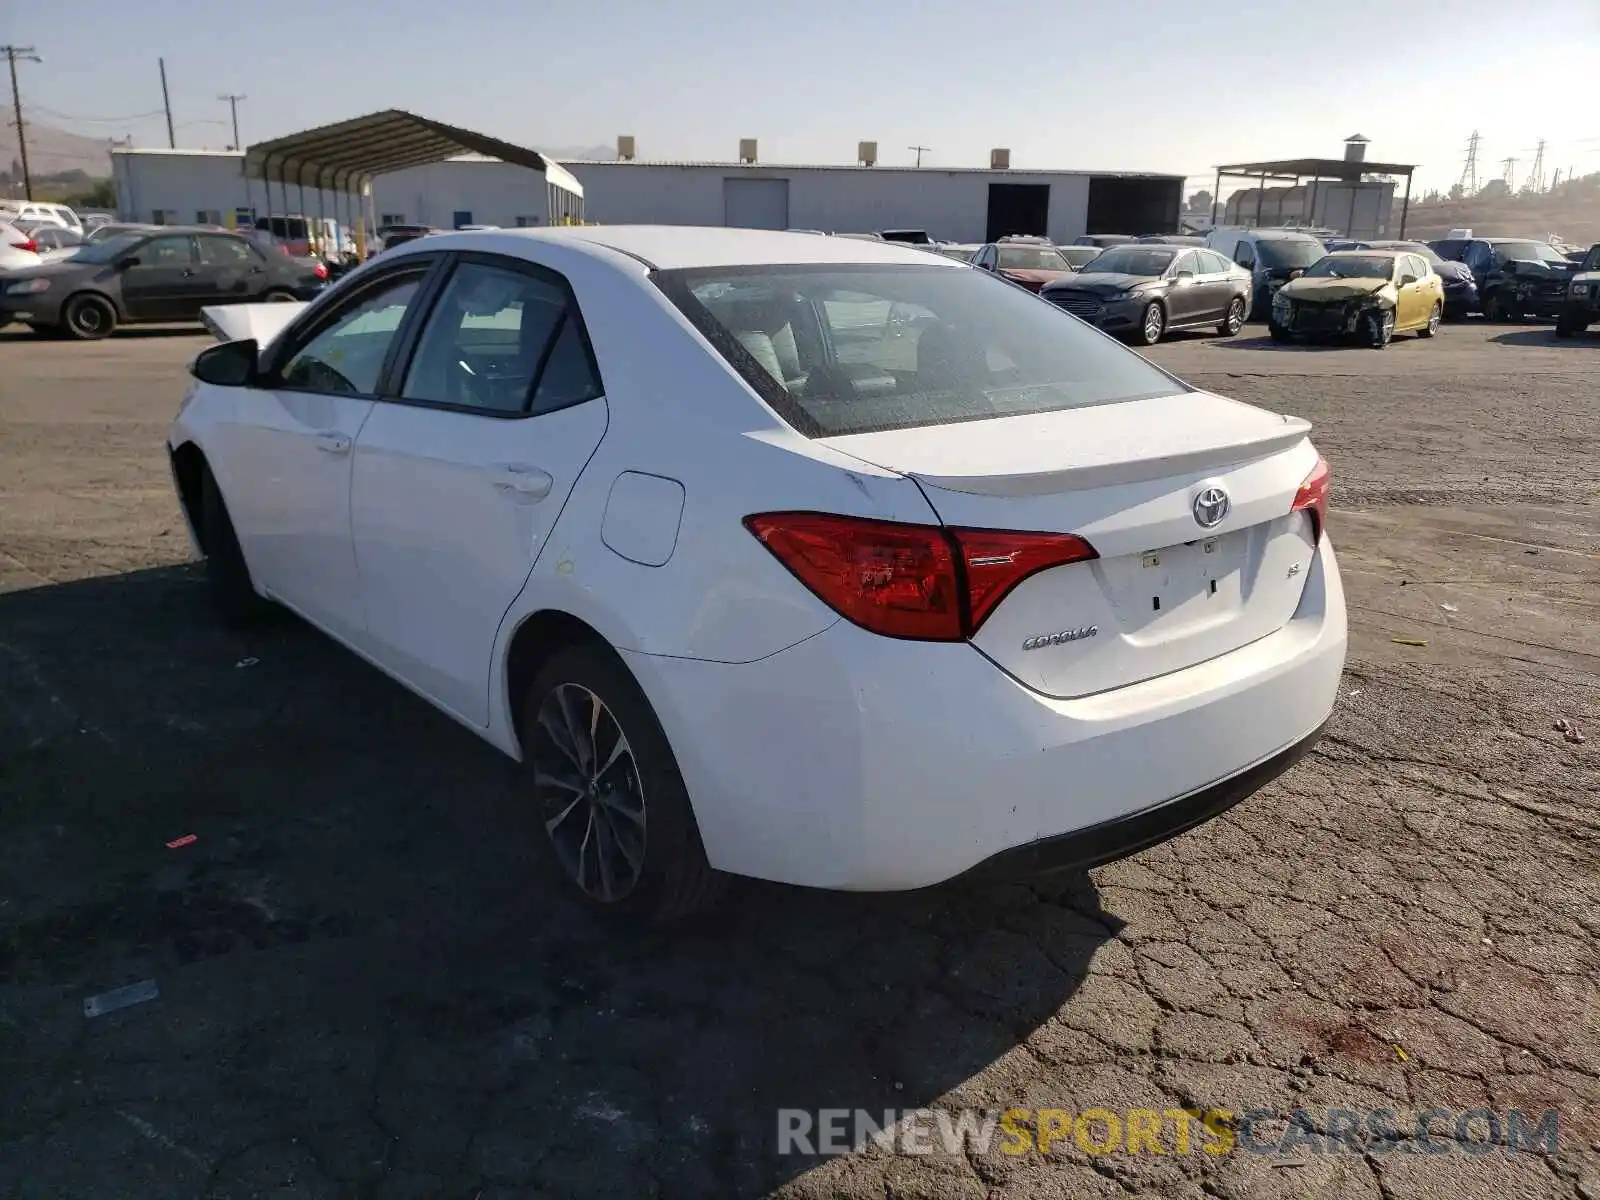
290,448
460,477
1186,298
161,285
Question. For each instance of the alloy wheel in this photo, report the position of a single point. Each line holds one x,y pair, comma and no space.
1236,316
1154,322
589,791
89,319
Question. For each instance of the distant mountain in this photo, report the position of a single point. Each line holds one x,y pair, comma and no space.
52,151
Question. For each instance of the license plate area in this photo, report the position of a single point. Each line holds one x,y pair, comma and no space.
1175,590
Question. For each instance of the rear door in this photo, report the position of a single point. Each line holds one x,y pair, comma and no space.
463,468
231,269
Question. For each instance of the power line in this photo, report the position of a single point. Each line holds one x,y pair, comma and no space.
39,110
26,54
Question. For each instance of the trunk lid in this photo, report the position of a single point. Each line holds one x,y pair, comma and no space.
1166,591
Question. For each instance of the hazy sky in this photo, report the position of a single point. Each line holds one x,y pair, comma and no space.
1161,86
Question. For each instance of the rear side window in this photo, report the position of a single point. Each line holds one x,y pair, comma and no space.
856,349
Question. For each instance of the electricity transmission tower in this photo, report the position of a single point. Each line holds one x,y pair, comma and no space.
1509,166
1469,172
1535,180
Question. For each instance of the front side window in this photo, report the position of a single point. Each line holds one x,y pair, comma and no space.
165,252
487,339
857,348
345,357
1291,253
1245,254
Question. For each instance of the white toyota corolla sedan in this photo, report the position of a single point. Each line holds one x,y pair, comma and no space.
818,560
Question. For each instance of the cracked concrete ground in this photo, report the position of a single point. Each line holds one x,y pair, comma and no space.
368,989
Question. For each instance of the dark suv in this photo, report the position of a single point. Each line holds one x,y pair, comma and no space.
1516,277
1582,306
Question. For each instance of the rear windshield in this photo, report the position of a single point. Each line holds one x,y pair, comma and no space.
1289,252
1079,255
840,349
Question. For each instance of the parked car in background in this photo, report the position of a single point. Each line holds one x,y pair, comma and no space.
911,237
1171,239
961,253
1516,277
1581,308
1144,292
962,660
1272,256
1460,288
52,241
17,248
1367,294
34,211
1032,264
167,275
1103,239
390,236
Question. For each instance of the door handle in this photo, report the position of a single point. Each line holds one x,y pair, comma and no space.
333,443
522,480
188,272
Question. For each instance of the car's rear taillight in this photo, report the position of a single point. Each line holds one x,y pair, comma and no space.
31,246
1313,497
923,582
320,271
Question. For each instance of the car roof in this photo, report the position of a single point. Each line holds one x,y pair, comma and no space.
1375,252
670,247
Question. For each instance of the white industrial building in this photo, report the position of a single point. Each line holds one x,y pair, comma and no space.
956,204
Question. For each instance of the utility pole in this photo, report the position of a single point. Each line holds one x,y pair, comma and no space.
233,105
1469,172
166,103
920,150
26,54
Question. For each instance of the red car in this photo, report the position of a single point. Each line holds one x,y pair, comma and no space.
1031,264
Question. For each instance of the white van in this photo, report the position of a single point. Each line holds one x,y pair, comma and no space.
14,211
1272,256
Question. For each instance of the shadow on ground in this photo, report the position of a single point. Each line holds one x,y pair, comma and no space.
369,986
1545,338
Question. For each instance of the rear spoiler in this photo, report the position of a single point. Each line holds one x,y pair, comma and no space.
261,322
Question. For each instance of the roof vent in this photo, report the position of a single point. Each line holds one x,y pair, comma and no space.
1355,148
999,160
747,150
625,147
867,153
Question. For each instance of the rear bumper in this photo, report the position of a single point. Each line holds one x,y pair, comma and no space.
861,762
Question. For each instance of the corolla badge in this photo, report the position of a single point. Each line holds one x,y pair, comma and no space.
1061,637
1210,506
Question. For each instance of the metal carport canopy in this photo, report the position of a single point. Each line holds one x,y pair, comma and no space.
347,154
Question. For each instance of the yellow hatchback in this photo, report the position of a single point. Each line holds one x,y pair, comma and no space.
1370,295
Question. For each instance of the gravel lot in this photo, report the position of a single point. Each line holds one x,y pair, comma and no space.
368,990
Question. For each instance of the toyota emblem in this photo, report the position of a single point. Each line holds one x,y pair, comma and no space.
1210,506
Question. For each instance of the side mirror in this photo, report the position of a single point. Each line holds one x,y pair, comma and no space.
124,263
1184,277
232,364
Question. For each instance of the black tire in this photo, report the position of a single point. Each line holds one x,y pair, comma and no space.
226,571
88,317
1233,320
647,801
1279,334
1377,327
1152,324
1434,320
279,296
